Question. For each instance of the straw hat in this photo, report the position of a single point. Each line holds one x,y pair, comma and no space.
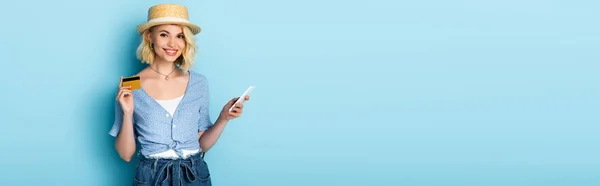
168,14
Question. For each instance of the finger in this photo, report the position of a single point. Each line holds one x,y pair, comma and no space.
126,93
237,110
123,89
121,82
238,105
126,88
234,114
120,87
231,102
120,95
247,97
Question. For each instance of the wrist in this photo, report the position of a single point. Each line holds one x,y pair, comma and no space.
222,119
127,113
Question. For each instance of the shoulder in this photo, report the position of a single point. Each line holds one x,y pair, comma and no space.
197,77
199,81
143,72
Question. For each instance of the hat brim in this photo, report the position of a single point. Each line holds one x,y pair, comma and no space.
143,27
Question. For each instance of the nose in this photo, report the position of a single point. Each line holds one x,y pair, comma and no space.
171,42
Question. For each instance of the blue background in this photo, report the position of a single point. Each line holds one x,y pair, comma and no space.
420,93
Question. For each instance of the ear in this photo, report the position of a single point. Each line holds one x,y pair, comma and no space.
147,35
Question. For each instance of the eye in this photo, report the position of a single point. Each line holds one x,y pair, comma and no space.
180,36
163,35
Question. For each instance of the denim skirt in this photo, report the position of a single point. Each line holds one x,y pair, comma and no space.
192,171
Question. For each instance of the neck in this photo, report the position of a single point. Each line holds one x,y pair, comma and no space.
163,67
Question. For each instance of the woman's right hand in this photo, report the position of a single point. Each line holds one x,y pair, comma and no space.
125,97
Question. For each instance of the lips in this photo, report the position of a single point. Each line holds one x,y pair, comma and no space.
170,52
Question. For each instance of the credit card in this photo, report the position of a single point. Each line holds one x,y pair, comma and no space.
133,81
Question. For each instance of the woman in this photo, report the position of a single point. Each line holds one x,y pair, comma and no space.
168,115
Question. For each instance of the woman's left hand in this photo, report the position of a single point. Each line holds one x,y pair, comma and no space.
236,111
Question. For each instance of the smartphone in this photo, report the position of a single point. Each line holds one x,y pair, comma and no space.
241,99
133,81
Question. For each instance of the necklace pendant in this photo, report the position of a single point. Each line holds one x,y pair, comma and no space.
166,77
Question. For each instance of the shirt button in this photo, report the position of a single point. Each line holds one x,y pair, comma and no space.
167,115
174,126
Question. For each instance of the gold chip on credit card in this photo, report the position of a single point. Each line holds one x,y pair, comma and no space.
133,81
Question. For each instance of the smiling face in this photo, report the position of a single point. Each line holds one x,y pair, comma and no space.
168,42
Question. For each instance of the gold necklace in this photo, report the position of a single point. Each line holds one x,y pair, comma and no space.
166,76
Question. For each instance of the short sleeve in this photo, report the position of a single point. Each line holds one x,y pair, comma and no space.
118,120
204,121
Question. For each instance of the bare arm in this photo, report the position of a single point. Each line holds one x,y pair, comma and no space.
125,142
209,137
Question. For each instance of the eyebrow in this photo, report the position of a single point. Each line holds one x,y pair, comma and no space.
168,32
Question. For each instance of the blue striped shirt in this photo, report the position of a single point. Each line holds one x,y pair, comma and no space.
158,131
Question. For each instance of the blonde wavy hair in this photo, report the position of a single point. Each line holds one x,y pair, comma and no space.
146,54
